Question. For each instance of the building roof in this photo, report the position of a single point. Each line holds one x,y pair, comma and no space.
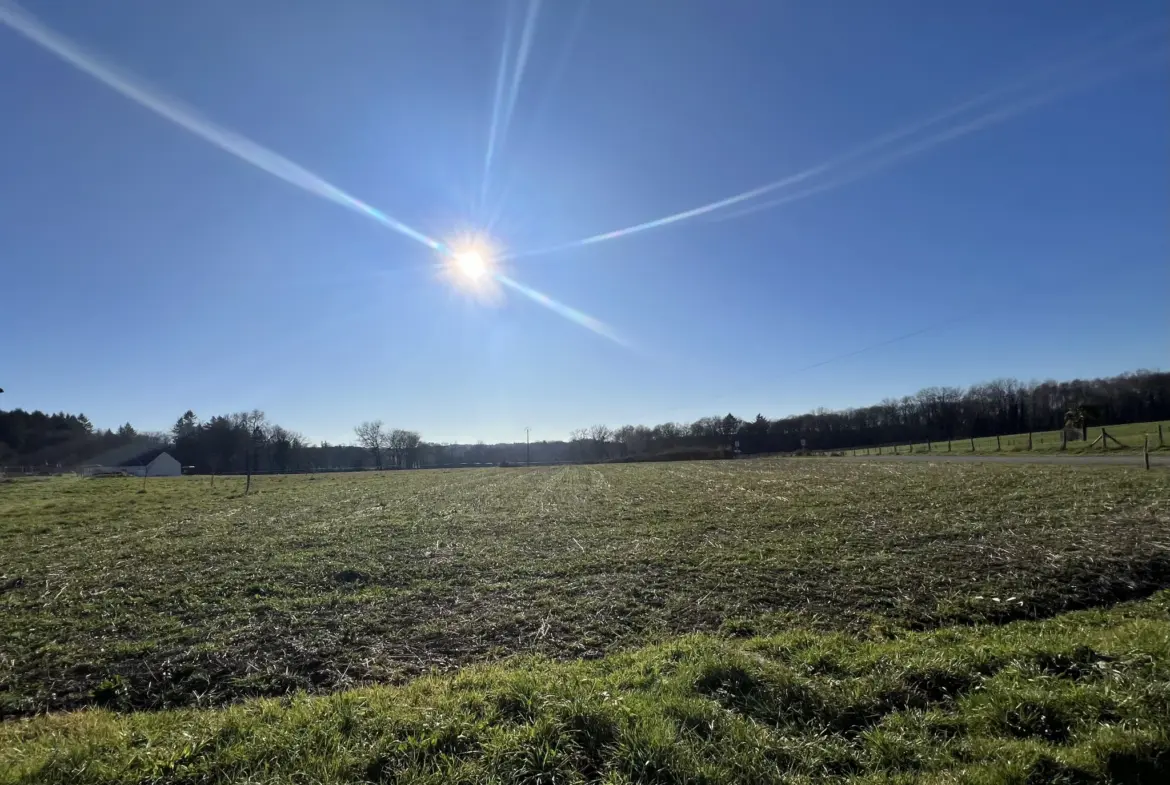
142,458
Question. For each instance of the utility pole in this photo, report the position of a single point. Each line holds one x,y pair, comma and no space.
527,447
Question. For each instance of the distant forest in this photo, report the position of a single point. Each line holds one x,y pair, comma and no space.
232,443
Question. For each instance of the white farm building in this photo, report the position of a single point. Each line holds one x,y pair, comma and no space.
151,463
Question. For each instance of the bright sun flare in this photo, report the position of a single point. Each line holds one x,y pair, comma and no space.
471,265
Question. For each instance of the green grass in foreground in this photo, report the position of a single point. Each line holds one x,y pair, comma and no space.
1080,698
1129,435
189,595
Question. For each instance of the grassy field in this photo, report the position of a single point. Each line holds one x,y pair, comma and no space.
835,601
1130,436
1082,698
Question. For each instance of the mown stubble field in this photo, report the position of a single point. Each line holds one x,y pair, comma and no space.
189,595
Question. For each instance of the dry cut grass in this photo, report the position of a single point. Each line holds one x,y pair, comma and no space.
188,595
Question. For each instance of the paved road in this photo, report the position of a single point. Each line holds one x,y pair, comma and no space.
1069,460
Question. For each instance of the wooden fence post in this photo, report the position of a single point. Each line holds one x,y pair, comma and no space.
972,444
1146,449
1063,439
928,445
879,449
948,445
1160,442
998,446
1104,440
1029,440
895,449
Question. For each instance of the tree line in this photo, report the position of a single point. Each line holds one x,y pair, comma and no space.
402,447
248,441
999,407
62,439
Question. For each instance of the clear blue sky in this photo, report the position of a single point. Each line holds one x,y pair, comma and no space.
146,271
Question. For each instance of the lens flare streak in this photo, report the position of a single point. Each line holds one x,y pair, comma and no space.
526,36
497,107
275,164
998,103
572,314
503,107
472,266
240,146
1001,115
550,91
923,145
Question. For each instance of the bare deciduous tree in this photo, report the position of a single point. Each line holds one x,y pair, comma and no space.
408,444
372,436
600,435
624,439
578,441
254,428
404,448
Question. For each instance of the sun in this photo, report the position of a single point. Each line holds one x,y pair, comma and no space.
471,264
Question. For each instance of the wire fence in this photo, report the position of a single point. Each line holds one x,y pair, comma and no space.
1106,438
